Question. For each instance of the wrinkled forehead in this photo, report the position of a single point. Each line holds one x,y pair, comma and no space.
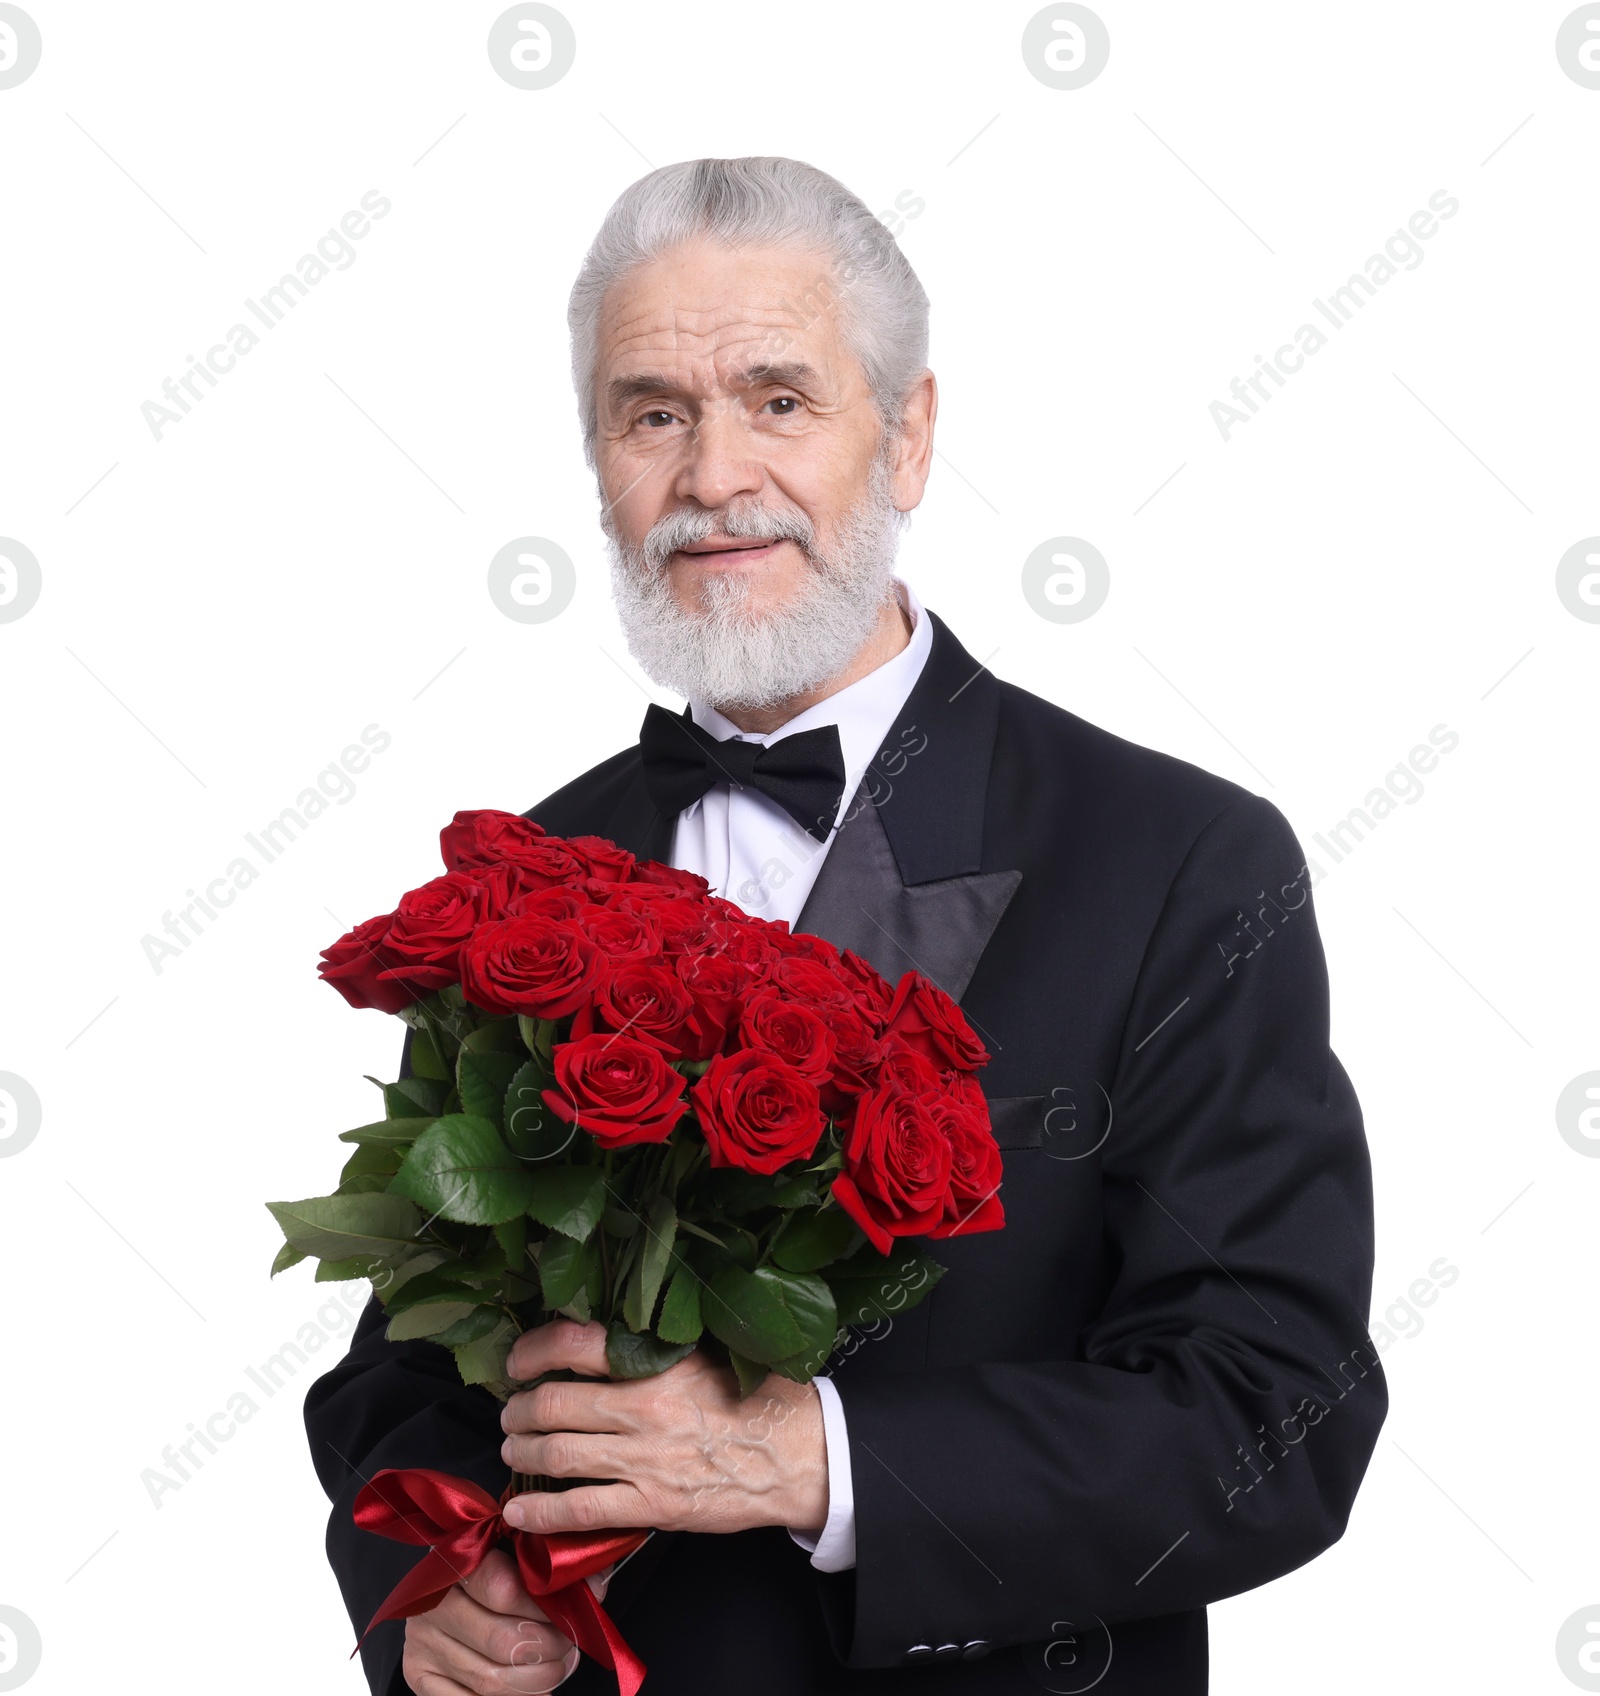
714,319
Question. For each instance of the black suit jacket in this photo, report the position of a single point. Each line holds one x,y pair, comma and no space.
1154,1388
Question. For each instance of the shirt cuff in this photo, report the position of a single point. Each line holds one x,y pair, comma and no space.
835,1549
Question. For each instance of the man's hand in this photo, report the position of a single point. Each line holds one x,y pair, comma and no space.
488,1638
687,1453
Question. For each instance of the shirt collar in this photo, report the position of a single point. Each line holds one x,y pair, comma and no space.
864,711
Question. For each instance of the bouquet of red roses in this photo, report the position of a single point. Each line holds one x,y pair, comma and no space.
631,1101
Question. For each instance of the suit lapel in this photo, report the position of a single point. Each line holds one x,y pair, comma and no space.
860,901
904,883
637,825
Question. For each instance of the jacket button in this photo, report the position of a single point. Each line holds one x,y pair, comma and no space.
976,1650
947,1652
919,1654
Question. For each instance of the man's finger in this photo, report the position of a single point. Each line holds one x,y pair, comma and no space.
563,1343
497,1589
532,1667
566,1454
434,1684
591,1507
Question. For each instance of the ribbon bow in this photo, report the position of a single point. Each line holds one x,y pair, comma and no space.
458,1524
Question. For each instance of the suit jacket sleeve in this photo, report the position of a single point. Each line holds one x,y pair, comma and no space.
1213,1428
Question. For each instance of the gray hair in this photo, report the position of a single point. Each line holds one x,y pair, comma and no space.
762,202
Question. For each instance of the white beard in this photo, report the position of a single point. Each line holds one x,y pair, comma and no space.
725,653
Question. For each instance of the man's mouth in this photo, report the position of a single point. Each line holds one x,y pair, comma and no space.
731,550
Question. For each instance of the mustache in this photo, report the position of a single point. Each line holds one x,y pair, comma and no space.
749,519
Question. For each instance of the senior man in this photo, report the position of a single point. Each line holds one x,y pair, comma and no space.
1154,1388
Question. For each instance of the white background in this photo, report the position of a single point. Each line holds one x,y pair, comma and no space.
306,554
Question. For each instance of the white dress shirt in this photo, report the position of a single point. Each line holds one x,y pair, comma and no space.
753,853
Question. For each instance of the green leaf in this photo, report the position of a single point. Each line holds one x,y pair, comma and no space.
538,1035
750,1373
498,1036
426,1060
512,1236
373,1158
452,1281
394,1277
429,1318
338,1227
685,1152
483,1080
479,1323
569,1199
680,1320
484,1361
564,1268
415,1098
364,1183
809,1240
805,1365
393,1133
459,1169
631,1355
387,1272
655,1255
769,1315
286,1257
868,1287
532,1130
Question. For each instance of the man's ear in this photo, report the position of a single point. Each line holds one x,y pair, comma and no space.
914,447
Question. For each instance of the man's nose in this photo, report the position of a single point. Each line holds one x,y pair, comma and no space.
720,460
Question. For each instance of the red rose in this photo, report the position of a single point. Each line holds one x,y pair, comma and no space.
620,1091
623,935
745,943
908,1069
792,1032
928,1020
602,860
896,1166
670,878
757,1112
502,887
801,944
554,902
540,966
812,981
479,840
972,1202
720,907
430,926
874,994
718,986
649,1003
856,1054
682,921
484,838
355,963
548,864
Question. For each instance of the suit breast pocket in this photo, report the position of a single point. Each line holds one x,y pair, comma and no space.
1018,1120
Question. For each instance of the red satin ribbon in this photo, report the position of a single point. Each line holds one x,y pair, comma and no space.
458,1524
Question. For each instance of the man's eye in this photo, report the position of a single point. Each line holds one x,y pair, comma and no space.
786,405
657,420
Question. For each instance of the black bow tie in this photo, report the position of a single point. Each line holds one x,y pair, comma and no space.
803,773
